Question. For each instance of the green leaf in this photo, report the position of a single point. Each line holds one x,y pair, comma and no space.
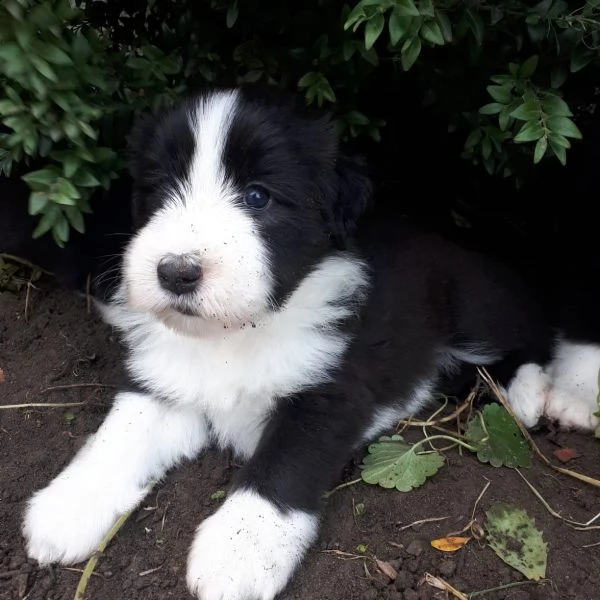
75,218
85,179
8,108
398,26
46,176
373,29
528,111
308,79
45,223
37,202
410,52
475,25
540,150
559,150
496,15
407,8
55,55
491,109
564,126
66,189
431,32
426,8
61,229
561,140
504,118
445,25
528,67
24,34
555,106
473,139
43,68
498,438
530,132
356,118
558,76
232,15
580,58
500,93
393,464
512,535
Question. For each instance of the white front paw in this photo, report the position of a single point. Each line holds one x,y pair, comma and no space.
67,520
528,393
248,550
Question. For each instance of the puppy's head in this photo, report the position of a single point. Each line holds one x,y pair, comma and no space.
238,193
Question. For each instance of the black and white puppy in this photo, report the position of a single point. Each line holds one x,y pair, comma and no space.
259,317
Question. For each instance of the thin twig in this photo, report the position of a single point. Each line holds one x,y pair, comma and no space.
548,507
341,486
591,545
91,564
483,491
421,522
42,405
71,386
150,571
505,586
25,262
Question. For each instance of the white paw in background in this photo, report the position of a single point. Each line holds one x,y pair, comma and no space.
248,550
572,401
527,393
67,520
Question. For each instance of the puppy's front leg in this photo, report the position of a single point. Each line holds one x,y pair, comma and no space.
138,441
250,548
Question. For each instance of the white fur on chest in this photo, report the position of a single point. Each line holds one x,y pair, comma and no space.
234,376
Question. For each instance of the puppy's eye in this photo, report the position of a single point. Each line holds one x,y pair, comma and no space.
256,197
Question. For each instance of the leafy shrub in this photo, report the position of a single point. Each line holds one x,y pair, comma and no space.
74,75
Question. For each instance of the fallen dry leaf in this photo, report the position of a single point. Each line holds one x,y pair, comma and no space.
566,454
440,584
2,376
450,544
386,569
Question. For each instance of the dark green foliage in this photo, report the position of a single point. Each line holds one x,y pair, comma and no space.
73,78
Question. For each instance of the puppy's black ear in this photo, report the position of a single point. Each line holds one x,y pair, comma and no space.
140,145
354,194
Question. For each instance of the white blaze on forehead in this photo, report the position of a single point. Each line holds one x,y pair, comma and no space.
201,217
210,123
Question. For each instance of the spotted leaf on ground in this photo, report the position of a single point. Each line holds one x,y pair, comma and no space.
391,463
498,439
512,535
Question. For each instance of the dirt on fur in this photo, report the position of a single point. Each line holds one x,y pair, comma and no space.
60,343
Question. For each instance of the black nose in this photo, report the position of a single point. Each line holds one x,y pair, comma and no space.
178,274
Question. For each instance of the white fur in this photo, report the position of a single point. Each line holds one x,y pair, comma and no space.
572,400
527,393
234,375
388,417
138,441
248,549
565,391
201,219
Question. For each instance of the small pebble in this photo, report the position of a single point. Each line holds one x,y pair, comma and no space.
447,568
404,580
370,594
410,595
416,547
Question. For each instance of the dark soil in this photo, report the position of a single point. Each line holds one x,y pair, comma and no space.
61,344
